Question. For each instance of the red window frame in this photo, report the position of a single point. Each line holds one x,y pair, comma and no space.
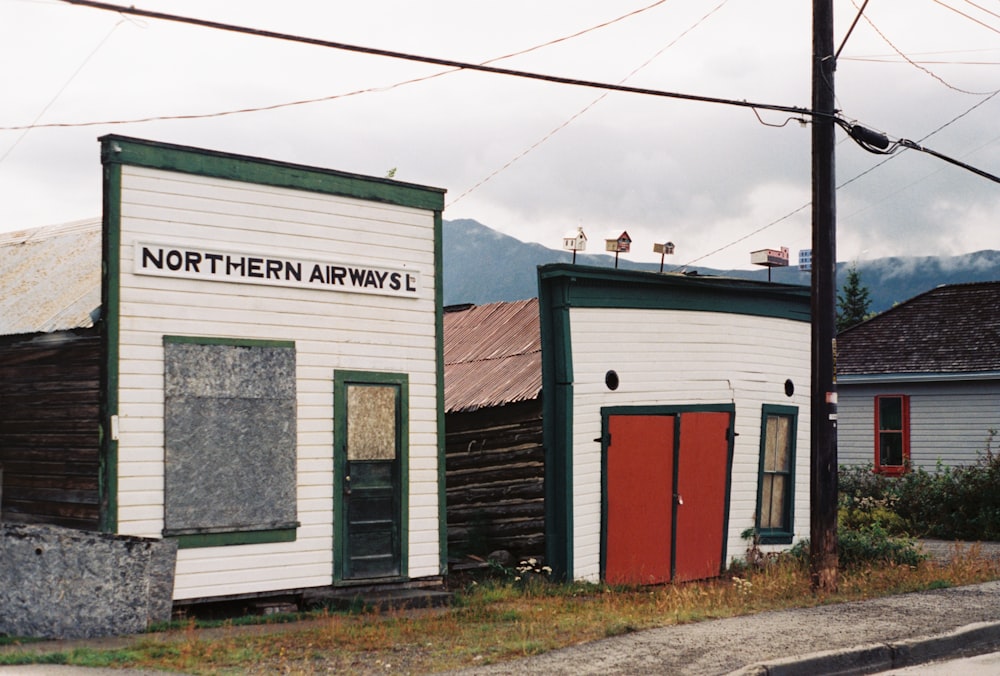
904,434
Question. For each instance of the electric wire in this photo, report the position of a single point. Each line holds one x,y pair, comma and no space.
451,63
329,97
912,62
66,84
858,133
983,9
856,177
967,16
583,110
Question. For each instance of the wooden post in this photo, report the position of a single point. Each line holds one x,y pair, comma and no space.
823,466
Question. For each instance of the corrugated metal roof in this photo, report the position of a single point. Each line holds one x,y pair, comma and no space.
492,355
950,329
50,278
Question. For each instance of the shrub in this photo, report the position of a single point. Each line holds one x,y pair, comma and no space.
870,545
953,503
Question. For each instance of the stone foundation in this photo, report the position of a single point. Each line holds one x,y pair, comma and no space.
63,583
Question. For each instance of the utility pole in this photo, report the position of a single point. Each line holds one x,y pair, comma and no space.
823,421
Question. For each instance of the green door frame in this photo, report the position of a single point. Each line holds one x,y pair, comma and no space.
341,379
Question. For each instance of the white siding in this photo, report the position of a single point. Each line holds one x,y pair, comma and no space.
331,330
949,421
674,357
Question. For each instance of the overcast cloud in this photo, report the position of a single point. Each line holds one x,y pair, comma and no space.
701,175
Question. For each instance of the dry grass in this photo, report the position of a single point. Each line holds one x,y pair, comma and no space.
496,621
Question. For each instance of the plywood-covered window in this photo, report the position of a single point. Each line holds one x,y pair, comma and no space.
775,490
230,441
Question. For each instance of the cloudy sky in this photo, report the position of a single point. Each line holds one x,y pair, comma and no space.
533,159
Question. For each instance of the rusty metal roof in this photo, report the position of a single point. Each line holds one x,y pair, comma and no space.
50,278
492,355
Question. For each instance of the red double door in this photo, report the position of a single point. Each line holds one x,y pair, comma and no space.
666,494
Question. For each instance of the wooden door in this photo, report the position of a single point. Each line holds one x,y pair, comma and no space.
702,490
639,471
370,482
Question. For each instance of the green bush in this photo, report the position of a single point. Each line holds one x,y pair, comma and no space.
952,503
867,546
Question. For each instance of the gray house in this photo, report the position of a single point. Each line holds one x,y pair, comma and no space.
921,382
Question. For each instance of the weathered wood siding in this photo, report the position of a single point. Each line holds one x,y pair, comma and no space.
495,481
331,330
49,393
949,421
674,357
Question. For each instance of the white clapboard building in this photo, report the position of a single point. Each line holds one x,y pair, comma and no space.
270,388
676,421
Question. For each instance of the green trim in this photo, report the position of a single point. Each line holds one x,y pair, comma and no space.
238,342
439,375
777,536
592,287
110,327
670,409
237,538
557,427
341,379
117,150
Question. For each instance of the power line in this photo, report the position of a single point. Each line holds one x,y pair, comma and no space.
66,84
583,110
450,63
872,141
327,98
888,158
914,63
967,16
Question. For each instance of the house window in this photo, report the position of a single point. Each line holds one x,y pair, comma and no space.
775,488
892,433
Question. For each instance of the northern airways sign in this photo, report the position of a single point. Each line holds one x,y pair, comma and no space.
170,260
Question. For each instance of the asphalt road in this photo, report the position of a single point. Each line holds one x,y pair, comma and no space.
856,637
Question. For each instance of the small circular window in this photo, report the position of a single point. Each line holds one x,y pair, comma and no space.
611,380
789,388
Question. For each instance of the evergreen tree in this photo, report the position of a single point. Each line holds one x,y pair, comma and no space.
853,300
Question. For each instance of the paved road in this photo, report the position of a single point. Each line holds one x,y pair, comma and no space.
980,665
841,638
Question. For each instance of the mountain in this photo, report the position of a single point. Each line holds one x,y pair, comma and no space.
482,266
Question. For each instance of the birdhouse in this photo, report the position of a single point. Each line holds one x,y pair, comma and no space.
664,249
575,241
770,258
620,244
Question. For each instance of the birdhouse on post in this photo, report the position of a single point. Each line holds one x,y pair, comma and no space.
620,244
575,241
663,249
770,258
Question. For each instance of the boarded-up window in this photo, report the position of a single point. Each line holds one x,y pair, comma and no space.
777,462
371,426
230,434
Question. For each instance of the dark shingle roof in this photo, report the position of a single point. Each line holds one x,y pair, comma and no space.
950,329
492,355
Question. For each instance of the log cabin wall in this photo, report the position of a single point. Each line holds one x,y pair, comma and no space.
495,480
49,443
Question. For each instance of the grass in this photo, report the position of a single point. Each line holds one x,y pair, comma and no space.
493,621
